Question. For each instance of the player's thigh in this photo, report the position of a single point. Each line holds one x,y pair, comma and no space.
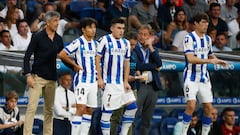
190,90
92,99
81,92
112,96
128,97
205,92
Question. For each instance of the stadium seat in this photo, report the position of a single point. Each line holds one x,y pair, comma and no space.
177,113
95,13
130,3
167,125
37,127
77,6
158,115
31,5
200,113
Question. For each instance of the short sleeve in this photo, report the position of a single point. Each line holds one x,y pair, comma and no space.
72,47
188,44
101,46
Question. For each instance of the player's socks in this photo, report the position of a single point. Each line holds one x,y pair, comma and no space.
206,123
186,122
85,125
105,122
128,118
76,125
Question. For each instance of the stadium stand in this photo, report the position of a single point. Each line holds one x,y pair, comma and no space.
167,125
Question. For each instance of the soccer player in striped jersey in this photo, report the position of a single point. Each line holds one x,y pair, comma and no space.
113,77
198,53
85,83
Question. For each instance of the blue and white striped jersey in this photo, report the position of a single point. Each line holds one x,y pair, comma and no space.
114,52
84,52
201,47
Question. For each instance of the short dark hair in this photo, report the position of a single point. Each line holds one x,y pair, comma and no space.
117,20
210,29
87,21
11,95
63,73
200,16
222,33
194,114
227,109
3,31
131,35
48,4
212,5
20,21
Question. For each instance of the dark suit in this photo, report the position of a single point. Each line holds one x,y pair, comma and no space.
147,93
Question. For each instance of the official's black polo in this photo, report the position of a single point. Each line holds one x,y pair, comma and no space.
45,53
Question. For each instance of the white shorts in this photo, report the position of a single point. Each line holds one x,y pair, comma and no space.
86,93
203,91
114,96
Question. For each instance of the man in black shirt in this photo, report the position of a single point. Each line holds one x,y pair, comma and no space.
41,78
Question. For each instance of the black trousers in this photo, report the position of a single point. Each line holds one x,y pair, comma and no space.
61,127
10,131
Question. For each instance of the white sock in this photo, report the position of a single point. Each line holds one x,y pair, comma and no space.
185,127
105,122
76,125
128,118
85,125
206,129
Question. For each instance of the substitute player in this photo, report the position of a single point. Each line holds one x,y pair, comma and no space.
198,53
85,84
113,77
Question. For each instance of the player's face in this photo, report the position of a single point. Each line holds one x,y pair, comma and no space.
202,26
52,24
118,30
11,104
89,31
66,81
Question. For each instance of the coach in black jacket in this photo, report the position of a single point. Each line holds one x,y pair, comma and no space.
148,60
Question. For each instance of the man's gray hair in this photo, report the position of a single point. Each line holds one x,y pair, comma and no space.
50,14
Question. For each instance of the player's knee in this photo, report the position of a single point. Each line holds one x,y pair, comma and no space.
131,109
106,115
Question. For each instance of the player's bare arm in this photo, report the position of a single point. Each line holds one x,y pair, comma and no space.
126,74
99,72
218,61
64,56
